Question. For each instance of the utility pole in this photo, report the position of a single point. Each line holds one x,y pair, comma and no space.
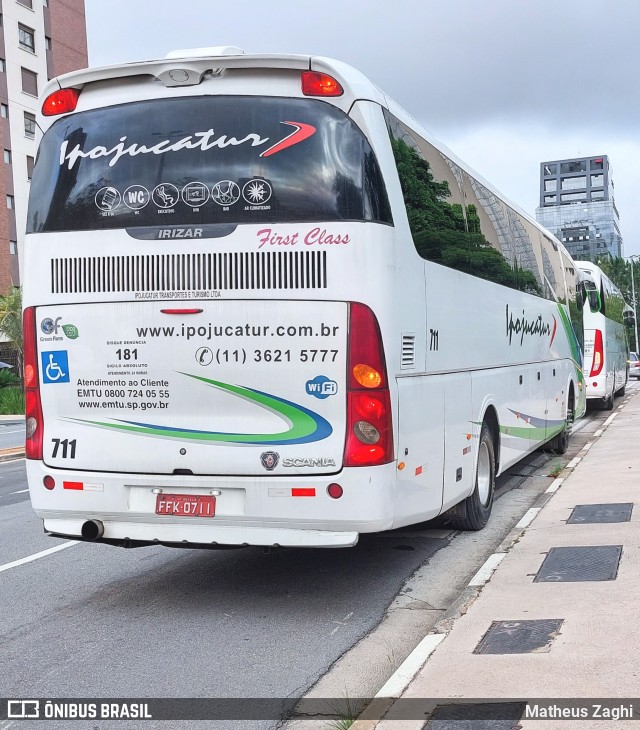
633,295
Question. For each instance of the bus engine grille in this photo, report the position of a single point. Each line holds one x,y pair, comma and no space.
203,272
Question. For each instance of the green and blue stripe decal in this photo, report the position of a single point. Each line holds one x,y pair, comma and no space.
303,425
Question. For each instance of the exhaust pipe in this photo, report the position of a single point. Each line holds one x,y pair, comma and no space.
92,530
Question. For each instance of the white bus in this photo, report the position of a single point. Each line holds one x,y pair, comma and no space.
264,307
606,345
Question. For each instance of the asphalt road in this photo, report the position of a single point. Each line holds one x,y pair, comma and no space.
11,433
96,621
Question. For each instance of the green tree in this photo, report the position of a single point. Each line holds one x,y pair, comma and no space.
11,322
619,271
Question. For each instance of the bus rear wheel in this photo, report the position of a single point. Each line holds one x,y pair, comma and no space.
478,505
560,443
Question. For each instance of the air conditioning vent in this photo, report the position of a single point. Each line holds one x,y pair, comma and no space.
190,272
408,358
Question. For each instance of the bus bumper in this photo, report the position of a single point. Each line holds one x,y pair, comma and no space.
267,512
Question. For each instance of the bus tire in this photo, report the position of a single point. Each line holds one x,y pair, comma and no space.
478,506
560,443
607,403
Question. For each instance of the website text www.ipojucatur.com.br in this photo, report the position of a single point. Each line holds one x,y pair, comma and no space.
211,331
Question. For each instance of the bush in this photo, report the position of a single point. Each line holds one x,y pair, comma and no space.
8,378
11,401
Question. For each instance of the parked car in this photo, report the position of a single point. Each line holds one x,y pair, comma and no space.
634,365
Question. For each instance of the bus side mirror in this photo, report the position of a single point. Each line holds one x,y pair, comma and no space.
593,296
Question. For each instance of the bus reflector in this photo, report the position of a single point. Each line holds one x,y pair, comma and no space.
598,354
315,83
49,482
33,407
73,485
303,491
369,438
60,102
334,491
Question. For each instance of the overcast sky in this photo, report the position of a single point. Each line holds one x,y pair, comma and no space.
505,84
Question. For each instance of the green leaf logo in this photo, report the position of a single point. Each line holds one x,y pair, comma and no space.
70,330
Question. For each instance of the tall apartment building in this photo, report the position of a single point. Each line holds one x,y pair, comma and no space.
39,39
577,205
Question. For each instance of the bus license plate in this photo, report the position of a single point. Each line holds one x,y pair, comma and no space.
186,505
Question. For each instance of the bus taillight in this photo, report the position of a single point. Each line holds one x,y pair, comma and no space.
315,83
61,101
598,354
369,439
33,407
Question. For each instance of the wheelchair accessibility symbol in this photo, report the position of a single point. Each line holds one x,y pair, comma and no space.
55,366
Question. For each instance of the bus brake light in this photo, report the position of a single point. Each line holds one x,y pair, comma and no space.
369,439
33,407
60,102
598,354
319,84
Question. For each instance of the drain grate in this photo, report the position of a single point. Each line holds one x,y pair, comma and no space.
590,513
519,637
575,564
483,716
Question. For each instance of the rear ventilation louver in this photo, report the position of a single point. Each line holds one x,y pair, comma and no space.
190,272
408,356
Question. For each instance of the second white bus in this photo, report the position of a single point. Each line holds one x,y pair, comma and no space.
606,345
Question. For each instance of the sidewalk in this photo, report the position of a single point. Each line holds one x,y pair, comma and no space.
565,587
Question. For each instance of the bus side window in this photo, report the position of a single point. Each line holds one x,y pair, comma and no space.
458,222
575,297
503,246
431,187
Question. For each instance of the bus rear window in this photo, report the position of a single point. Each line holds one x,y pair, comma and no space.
204,160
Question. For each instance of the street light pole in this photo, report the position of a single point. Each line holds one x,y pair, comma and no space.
633,295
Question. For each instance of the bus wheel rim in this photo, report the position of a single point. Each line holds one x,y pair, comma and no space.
484,474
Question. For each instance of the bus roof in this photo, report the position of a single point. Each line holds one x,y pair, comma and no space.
190,67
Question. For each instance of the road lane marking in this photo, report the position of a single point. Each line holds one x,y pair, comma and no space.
20,491
555,485
398,681
341,623
36,556
486,571
528,517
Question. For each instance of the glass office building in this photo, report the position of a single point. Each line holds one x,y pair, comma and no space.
577,205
